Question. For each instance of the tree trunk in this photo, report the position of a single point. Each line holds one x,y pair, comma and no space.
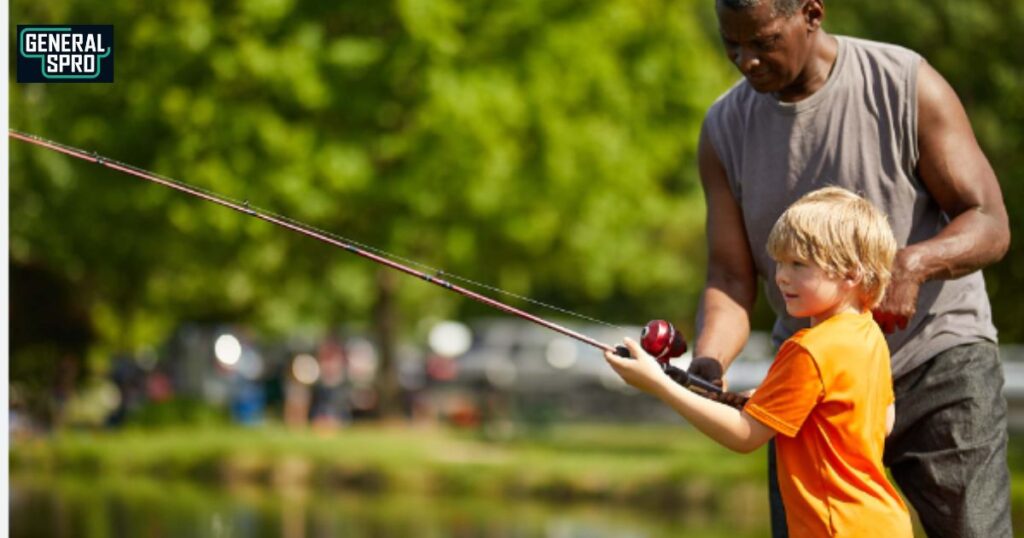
385,320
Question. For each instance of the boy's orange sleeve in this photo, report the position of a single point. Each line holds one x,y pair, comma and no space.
789,392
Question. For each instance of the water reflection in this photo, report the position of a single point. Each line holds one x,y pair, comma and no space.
81,508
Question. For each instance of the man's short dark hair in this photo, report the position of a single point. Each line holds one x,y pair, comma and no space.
779,7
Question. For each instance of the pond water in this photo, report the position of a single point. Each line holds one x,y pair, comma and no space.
114,507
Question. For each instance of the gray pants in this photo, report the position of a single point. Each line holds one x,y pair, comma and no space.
947,451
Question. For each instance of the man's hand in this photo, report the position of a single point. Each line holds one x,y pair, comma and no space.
708,369
640,370
900,301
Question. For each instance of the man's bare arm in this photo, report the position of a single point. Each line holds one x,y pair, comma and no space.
956,173
723,317
959,176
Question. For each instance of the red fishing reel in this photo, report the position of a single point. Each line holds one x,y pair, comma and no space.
660,340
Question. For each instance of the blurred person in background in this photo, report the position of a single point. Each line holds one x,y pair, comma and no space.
331,407
297,399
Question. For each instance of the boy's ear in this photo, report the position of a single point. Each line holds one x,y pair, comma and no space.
854,278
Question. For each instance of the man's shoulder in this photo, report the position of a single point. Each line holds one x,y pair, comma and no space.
879,53
729,108
740,92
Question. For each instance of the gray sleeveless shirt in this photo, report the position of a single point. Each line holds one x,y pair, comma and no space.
859,131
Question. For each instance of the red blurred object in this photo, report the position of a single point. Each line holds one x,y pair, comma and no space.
889,322
159,387
442,368
662,341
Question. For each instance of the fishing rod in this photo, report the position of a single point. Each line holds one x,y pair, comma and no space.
658,338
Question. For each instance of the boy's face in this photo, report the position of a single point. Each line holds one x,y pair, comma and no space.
811,292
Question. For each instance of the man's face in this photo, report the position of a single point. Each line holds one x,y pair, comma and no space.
770,50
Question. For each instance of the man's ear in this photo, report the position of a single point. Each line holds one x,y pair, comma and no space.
814,13
854,278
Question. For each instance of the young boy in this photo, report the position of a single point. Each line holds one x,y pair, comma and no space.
827,398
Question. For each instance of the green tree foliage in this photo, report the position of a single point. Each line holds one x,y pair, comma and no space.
545,147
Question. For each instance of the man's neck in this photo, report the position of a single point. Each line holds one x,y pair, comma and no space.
815,74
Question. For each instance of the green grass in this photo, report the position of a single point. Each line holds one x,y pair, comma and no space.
648,463
654,466
132,506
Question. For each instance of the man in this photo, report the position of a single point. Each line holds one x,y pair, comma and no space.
813,110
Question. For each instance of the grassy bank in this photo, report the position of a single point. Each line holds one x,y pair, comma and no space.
100,507
655,467
652,465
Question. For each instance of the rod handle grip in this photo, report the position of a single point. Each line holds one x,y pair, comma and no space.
686,379
678,375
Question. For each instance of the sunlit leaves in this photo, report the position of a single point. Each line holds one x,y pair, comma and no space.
544,147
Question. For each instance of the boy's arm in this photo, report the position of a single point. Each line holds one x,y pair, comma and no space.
732,428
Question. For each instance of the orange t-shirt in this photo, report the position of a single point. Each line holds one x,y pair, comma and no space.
826,394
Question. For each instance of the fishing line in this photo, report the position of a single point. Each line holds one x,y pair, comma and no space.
123,167
659,338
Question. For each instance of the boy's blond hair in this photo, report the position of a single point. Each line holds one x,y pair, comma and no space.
843,234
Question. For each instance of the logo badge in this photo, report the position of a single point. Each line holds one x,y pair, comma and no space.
65,53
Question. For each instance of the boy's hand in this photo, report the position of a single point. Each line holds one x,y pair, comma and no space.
640,370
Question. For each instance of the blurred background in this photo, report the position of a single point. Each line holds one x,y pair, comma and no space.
179,369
